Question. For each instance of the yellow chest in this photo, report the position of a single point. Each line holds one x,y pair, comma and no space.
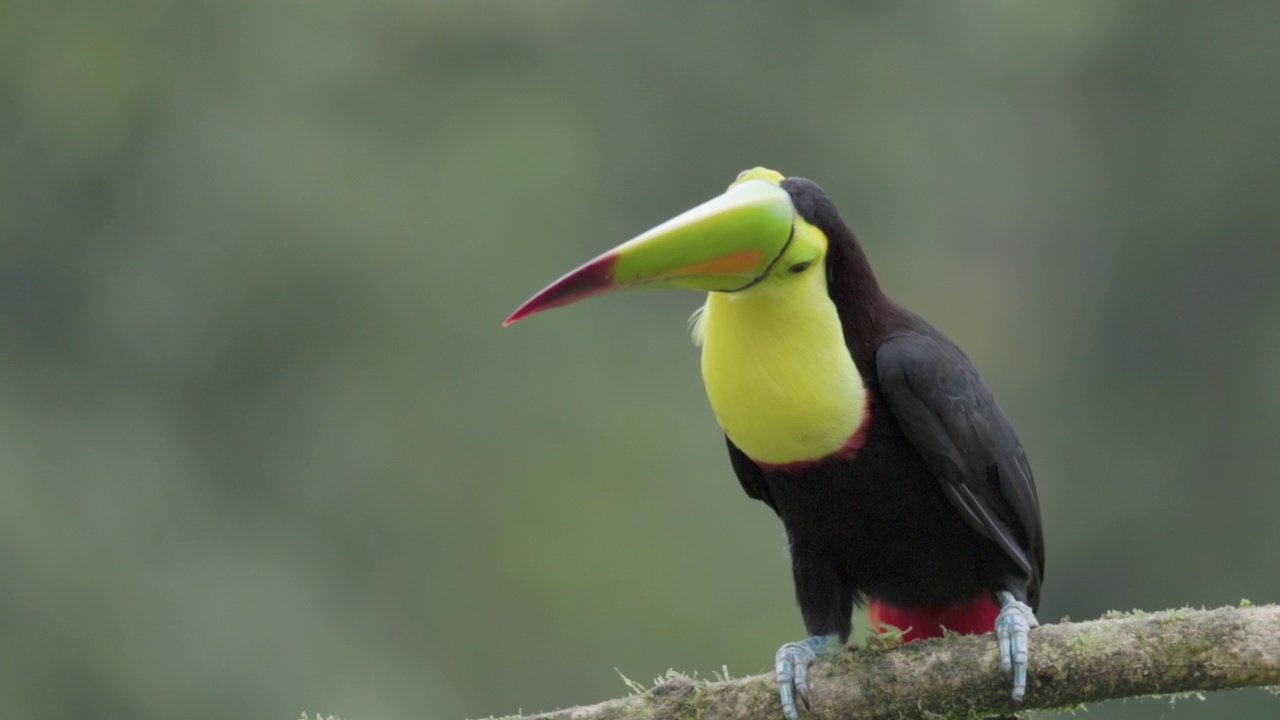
779,376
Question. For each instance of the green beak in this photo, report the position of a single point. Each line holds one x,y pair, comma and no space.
725,244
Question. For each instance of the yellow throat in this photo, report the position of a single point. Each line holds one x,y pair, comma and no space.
779,376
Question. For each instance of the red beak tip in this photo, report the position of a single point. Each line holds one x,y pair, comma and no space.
519,314
590,279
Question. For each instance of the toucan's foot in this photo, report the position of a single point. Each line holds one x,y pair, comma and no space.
791,664
1013,625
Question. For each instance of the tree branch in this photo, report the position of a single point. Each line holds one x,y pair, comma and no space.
1121,655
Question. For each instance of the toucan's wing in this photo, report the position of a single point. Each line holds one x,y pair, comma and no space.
954,422
750,475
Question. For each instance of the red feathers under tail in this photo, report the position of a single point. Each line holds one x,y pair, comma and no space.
973,618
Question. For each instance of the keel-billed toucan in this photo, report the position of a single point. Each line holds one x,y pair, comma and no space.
897,477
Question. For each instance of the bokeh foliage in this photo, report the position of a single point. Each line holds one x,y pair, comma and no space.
264,447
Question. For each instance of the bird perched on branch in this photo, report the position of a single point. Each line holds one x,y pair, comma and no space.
898,479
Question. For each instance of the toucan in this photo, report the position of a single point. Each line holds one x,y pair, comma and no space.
900,482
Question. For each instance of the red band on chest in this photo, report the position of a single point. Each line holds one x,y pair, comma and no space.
846,451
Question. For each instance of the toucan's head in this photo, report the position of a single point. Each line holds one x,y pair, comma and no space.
762,232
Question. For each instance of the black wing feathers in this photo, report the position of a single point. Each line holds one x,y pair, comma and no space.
750,475
952,419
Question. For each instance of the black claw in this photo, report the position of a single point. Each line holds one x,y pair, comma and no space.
804,697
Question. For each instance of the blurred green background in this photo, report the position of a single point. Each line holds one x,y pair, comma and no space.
264,447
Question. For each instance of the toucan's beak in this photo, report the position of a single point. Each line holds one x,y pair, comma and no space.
725,244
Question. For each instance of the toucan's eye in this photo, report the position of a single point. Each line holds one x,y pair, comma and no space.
799,268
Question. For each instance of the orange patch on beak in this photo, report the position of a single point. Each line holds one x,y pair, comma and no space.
734,263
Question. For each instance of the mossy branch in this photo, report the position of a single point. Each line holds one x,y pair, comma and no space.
1122,655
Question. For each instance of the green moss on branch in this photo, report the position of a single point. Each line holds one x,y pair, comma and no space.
1122,655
